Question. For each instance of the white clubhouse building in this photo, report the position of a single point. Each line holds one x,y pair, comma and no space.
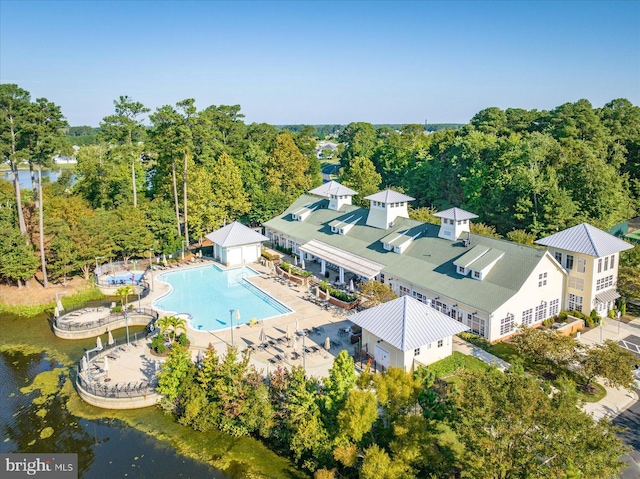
490,285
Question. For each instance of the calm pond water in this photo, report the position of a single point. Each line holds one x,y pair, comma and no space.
24,176
105,448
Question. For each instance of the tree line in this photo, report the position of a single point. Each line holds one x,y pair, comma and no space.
394,424
138,188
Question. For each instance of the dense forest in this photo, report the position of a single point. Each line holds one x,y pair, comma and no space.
190,170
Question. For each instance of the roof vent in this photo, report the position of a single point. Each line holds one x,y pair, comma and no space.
391,224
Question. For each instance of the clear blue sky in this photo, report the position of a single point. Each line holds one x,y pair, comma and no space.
323,62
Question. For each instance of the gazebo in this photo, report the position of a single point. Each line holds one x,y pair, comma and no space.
236,244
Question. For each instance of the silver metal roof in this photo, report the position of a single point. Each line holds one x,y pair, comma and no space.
606,296
407,324
235,234
585,239
349,261
389,196
332,188
455,214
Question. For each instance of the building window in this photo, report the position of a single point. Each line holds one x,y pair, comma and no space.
558,256
554,307
459,222
604,283
575,302
541,312
600,265
420,297
569,262
382,278
576,283
613,260
476,274
542,279
476,324
527,316
461,269
403,291
440,343
606,263
506,325
416,352
582,265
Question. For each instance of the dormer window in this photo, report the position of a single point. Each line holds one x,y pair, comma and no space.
461,270
477,275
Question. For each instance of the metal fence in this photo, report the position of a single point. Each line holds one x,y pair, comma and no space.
117,390
116,267
111,318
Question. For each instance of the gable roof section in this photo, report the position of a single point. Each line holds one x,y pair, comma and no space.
585,239
349,261
235,234
389,196
407,324
455,214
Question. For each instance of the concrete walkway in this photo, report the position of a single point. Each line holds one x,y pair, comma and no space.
469,349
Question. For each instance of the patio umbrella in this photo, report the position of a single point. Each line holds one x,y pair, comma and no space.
59,304
287,334
84,365
110,340
56,313
317,291
297,327
98,343
237,315
327,344
105,367
351,287
294,345
263,337
164,260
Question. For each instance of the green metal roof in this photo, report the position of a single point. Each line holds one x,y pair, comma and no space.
486,259
427,262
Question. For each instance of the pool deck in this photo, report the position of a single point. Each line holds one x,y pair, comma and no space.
130,367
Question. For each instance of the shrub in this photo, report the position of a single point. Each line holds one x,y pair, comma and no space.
269,256
622,305
289,268
548,322
476,340
611,314
336,293
157,344
116,309
182,339
448,366
562,317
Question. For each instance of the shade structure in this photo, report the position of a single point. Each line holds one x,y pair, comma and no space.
351,286
105,367
237,315
98,343
263,337
110,340
59,304
327,344
294,345
56,312
287,334
84,365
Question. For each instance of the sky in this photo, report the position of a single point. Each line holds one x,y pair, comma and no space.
316,62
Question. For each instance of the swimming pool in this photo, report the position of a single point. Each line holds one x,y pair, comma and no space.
208,294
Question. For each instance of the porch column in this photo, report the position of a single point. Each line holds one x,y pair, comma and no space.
323,266
302,260
341,270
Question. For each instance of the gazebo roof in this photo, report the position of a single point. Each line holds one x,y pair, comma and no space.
235,234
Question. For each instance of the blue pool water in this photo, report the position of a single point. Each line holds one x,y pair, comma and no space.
208,293
123,278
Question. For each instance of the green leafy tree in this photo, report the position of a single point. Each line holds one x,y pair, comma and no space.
611,362
546,347
306,143
377,293
359,139
229,195
123,292
171,378
361,176
521,237
171,325
357,415
17,259
523,431
397,392
287,170
126,130
341,379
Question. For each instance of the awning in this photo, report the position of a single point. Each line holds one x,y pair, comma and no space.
607,296
351,262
